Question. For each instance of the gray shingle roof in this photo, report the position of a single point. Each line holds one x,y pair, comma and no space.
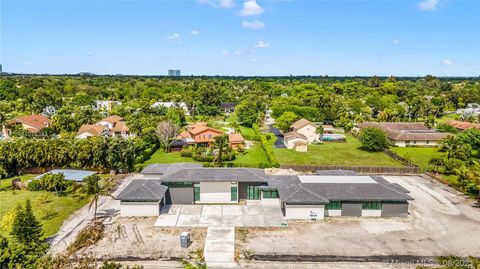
215,175
293,191
145,190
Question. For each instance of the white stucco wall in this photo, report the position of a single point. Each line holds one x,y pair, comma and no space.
412,143
139,209
104,123
303,211
84,135
215,192
270,201
310,132
291,141
333,212
371,213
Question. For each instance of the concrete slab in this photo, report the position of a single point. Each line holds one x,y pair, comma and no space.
253,221
252,210
212,210
166,220
219,250
192,209
210,220
171,209
232,210
188,220
232,221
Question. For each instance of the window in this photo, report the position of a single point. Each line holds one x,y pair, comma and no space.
196,192
233,192
427,142
177,184
270,194
210,136
253,193
372,205
334,205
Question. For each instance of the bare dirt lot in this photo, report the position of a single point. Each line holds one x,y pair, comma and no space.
137,238
441,222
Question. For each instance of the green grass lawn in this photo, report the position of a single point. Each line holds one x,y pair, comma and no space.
171,157
348,154
447,117
246,131
253,157
419,156
64,206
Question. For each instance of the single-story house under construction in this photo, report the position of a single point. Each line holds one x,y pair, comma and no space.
300,197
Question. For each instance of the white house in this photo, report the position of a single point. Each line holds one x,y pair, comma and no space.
296,141
106,105
181,105
306,128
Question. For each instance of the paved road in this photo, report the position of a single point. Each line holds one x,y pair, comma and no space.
279,142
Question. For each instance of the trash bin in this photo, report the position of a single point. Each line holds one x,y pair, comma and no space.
185,240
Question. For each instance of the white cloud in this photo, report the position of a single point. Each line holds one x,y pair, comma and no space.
251,8
90,53
194,32
262,45
428,5
447,62
175,38
396,41
218,3
253,25
225,52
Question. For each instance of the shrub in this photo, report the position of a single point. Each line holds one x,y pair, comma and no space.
48,214
186,154
269,152
373,139
34,185
43,199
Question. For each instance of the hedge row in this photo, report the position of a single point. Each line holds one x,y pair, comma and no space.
267,147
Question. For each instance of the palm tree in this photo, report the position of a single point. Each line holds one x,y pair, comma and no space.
86,115
220,143
465,176
93,187
452,146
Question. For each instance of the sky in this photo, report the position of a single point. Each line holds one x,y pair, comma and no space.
242,38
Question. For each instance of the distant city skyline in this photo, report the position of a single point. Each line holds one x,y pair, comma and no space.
242,38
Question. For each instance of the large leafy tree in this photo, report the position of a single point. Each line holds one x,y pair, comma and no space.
373,139
247,113
220,144
283,122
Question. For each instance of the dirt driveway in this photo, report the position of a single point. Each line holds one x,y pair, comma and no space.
440,223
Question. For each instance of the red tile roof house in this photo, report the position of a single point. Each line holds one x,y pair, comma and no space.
202,135
463,125
32,123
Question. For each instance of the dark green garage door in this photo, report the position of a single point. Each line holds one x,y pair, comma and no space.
253,193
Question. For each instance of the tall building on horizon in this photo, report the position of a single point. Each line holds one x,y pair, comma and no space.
173,73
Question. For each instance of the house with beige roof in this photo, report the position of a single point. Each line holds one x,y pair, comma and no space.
306,128
296,141
110,126
405,134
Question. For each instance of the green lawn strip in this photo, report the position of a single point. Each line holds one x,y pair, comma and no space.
246,131
348,154
254,157
64,206
419,156
6,184
448,117
171,157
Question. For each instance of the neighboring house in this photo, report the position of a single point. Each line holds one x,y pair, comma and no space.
306,128
299,197
228,107
181,105
106,105
296,141
472,109
70,174
403,134
89,130
32,123
110,126
236,140
463,125
202,135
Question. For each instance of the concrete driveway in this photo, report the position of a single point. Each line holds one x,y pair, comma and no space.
220,216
